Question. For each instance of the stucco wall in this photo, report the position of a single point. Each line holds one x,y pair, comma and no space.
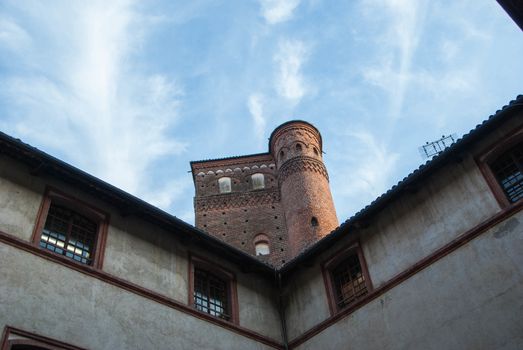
20,198
136,251
470,299
55,301
453,200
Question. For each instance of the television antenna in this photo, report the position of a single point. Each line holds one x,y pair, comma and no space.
434,148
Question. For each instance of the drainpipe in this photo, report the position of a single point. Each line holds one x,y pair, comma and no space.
282,313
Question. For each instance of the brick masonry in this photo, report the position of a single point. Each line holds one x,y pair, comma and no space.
296,190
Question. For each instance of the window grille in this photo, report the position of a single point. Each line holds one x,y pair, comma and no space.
349,281
211,294
508,170
69,233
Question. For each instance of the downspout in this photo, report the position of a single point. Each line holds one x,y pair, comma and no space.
282,312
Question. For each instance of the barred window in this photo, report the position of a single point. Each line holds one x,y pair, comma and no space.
349,281
68,233
211,294
508,170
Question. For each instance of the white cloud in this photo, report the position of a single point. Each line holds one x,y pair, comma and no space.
290,82
12,35
255,105
403,23
93,105
277,11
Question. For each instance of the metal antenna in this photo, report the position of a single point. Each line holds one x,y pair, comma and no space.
431,149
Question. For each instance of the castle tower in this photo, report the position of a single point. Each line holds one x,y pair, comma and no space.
304,184
272,205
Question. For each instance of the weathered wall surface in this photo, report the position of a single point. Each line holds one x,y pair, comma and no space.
53,300
470,299
20,198
453,200
135,251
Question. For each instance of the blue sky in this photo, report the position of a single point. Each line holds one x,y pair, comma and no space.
131,91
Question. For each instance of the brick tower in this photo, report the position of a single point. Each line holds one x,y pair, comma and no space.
304,184
272,205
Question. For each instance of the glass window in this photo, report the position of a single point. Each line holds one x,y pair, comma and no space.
262,248
258,181
211,294
68,233
224,184
508,170
348,280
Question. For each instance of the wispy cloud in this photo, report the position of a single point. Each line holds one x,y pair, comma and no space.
255,105
366,170
92,104
290,82
277,11
12,36
403,23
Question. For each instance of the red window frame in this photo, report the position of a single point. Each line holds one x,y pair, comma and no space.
492,153
329,265
14,337
202,264
53,196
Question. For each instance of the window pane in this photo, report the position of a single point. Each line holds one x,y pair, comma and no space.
262,248
258,181
508,170
210,294
349,282
69,233
225,184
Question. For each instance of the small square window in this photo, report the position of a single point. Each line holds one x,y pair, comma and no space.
70,228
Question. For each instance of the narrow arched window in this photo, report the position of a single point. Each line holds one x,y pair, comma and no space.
314,222
262,248
261,245
224,184
258,181
298,147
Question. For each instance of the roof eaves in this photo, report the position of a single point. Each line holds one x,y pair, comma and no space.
416,175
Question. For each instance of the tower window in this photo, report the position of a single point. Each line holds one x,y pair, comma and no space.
224,184
262,248
258,181
298,147
315,151
508,170
261,245
281,154
314,222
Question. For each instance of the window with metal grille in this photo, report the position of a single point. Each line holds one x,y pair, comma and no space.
348,280
508,169
211,294
68,233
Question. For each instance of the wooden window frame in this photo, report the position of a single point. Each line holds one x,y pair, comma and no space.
491,154
331,263
22,337
224,274
53,195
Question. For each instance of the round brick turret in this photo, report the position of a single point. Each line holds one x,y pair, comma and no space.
304,184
